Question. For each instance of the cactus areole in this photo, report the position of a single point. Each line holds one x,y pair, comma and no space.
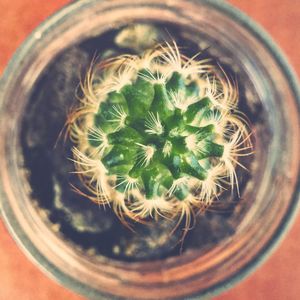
157,134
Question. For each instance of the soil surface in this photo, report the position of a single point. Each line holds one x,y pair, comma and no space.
47,157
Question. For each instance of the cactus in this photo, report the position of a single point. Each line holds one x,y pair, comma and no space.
157,134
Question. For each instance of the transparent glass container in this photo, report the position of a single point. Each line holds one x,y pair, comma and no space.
271,196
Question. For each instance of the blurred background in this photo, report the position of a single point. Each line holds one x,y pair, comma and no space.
277,279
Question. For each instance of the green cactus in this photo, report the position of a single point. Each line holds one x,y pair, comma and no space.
157,134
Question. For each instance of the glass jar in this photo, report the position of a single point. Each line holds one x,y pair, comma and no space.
271,196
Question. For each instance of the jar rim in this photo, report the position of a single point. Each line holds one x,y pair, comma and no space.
239,17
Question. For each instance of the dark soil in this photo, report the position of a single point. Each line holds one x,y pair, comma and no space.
80,221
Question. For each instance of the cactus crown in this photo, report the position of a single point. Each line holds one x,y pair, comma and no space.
157,134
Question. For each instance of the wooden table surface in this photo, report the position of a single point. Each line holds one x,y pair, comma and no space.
277,279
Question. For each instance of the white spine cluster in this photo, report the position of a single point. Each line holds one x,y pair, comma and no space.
230,130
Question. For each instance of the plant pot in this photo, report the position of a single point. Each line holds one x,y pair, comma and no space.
270,189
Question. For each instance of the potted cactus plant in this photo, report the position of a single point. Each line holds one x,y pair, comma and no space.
161,103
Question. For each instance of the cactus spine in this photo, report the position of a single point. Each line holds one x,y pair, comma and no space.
157,134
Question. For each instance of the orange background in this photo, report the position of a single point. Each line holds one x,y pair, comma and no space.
278,278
